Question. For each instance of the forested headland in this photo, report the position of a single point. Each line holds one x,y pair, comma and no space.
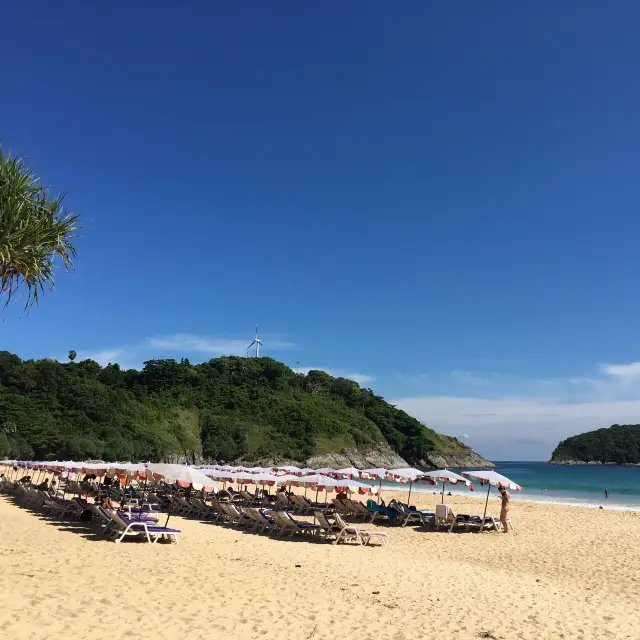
618,444
228,408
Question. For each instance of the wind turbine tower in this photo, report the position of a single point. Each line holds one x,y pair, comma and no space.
257,342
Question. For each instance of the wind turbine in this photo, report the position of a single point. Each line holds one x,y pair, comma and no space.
257,342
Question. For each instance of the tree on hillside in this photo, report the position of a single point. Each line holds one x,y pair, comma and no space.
34,229
72,355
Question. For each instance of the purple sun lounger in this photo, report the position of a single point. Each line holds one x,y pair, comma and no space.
137,527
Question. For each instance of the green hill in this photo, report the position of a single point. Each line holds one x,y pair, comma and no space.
619,444
226,409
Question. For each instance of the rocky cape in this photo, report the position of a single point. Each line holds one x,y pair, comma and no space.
377,457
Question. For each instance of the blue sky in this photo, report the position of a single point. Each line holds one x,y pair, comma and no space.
440,202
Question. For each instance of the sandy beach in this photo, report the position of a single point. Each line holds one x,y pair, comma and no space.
566,572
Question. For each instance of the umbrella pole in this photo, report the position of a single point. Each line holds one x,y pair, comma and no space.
486,504
380,491
305,495
169,512
409,496
443,493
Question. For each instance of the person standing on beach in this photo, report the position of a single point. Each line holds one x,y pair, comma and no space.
504,511
606,493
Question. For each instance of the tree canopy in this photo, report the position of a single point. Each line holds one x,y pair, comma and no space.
225,409
34,230
618,444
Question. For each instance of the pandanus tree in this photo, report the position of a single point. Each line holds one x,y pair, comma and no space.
34,230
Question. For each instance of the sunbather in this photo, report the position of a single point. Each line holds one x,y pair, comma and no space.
504,511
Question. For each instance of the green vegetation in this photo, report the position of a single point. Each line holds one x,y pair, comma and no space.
34,229
224,409
619,444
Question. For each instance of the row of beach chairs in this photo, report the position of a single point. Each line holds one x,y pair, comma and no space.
116,524
278,520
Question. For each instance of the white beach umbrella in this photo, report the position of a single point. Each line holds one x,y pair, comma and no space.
405,474
379,474
326,471
444,475
316,479
216,473
376,474
348,472
353,485
287,469
182,475
491,477
266,478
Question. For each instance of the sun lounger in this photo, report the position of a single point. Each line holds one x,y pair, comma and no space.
204,510
101,518
406,515
327,529
152,533
235,514
358,510
347,532
378,511
250,499
341,507
300,505
265,519
283,501
284,523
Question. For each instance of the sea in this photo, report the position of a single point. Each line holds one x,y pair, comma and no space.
563,484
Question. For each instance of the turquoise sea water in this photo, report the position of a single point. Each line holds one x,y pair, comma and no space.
542,482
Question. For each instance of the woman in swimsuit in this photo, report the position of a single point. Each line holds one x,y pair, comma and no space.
504,511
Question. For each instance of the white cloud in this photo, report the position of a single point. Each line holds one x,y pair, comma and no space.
103,358
186,342
466,377
622,371
360,378
176,345
519,418
517,428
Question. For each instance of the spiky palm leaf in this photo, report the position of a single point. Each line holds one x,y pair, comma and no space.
33,231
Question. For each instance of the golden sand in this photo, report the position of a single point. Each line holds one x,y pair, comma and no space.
566,572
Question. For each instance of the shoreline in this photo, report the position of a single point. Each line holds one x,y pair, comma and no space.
591,463
609,504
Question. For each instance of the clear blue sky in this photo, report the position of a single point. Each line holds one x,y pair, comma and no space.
440,201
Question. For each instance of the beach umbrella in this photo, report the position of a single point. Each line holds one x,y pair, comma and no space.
405,474
444,475
353,485
348,472
182,475
287,469
379,474
491,477
326,471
